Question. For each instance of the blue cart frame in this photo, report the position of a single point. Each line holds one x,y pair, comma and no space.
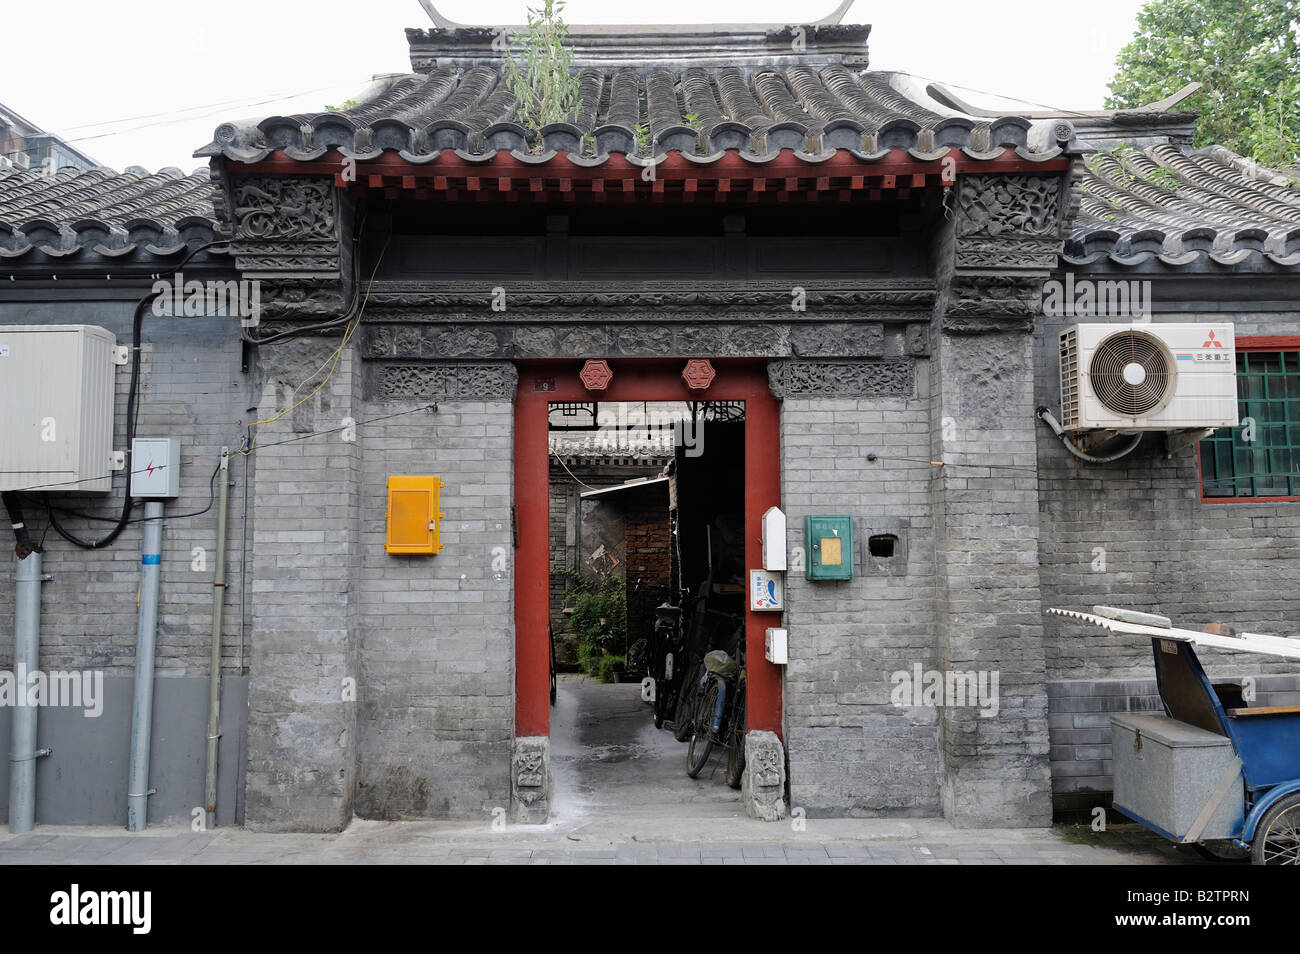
1266,739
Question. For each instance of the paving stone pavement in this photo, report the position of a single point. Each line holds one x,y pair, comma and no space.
623,797
823,842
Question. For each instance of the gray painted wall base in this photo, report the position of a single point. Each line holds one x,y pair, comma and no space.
83,782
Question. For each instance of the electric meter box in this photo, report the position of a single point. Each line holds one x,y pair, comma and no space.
57,391
776,645
829,542
414,517
155,467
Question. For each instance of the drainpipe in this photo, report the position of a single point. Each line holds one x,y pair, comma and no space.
27,641
138,791
214,669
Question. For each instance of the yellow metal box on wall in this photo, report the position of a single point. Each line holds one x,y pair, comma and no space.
414,514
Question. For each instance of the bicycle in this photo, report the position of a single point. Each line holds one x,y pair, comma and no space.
718,718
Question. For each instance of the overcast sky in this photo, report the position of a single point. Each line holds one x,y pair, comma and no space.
163,73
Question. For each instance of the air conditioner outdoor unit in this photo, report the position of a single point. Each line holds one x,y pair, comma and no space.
1148,377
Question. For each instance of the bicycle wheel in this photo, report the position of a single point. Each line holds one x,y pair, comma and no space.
701,747
660,704
684,717
1277,839
736,739
550,633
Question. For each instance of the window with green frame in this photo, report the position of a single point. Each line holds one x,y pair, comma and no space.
1268,394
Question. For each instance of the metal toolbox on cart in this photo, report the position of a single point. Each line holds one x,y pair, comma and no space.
1178,779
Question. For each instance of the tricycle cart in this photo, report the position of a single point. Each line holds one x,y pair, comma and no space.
1213,771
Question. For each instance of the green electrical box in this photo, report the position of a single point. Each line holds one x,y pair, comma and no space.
829,539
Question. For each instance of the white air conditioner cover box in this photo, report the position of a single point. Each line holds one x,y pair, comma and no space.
1201,364
56,388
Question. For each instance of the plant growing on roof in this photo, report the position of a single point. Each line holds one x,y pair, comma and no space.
1163,176
541,77
643,141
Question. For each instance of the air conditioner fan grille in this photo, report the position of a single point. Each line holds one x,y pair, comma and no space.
1131,374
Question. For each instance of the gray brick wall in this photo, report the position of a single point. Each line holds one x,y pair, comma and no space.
301,727
995,771
851,751
1164,552
191,389
436,716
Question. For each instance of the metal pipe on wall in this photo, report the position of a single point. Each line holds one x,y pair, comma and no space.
27,644
137,792
214,666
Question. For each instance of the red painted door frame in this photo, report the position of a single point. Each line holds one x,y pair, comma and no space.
542,382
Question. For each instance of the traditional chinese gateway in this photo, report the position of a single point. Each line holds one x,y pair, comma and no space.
858,257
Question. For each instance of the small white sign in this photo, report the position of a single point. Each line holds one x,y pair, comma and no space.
4,351
766,591
774,539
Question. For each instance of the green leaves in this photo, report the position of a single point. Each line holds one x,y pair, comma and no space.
1247,55
541,77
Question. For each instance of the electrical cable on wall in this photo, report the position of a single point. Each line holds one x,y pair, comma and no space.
288,440
332,361
298,332
132,408
212,496
571,473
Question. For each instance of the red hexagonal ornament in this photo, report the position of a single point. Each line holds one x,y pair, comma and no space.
698,374
596,374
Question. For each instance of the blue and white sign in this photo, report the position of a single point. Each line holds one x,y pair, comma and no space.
766,591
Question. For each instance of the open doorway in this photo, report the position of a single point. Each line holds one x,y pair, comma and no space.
647,575
541,731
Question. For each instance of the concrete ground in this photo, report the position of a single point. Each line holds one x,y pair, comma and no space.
623,797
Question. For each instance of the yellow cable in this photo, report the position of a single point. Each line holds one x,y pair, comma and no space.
332,361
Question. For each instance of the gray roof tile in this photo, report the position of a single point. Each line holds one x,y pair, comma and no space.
755,110
1184,207
107,212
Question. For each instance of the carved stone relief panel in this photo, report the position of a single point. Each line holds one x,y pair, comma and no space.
484,381
285,226
1000,205
843,378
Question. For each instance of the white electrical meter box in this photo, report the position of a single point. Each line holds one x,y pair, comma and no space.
774,539
56,389
776,646
155,467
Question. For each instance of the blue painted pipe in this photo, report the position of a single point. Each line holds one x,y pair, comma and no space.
137,792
